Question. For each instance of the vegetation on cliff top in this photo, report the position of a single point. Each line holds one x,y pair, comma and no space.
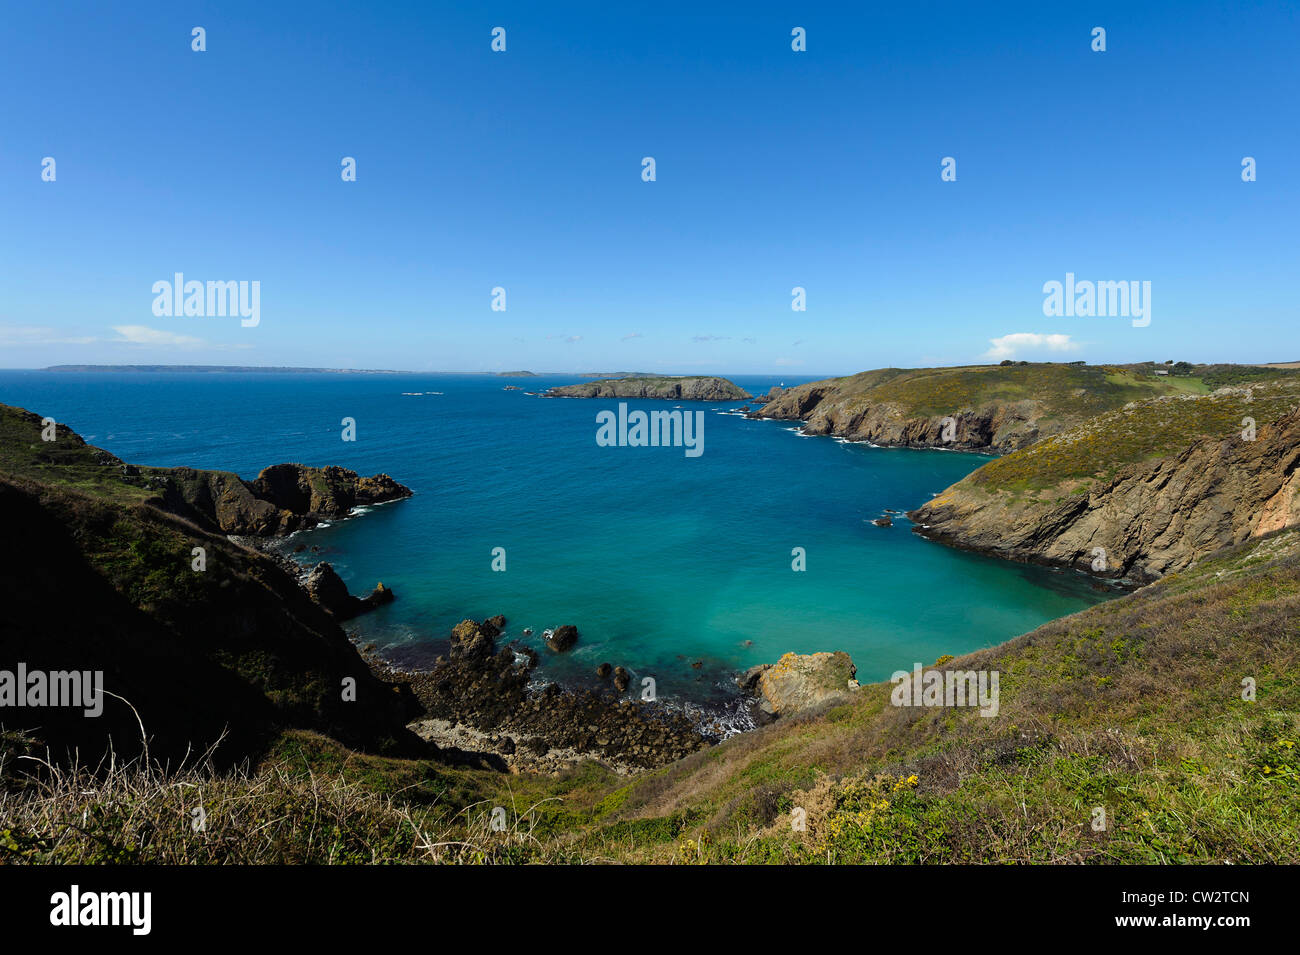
1154,428
1070,391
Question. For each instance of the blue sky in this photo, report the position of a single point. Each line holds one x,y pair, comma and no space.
522,170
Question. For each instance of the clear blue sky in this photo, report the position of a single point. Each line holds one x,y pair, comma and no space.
522,169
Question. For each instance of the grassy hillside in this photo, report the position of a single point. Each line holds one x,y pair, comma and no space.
998,408
1067,392
1134,706
1096,449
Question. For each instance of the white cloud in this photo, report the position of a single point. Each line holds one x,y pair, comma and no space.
38,335
143,335
1008,346
156,337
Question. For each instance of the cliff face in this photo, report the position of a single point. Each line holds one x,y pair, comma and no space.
988,408
1149,518
284,497
103,577
681,389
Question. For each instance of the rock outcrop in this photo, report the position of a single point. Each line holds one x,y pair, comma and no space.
562,638
1150,518
327,589
797,683
284,498
680,389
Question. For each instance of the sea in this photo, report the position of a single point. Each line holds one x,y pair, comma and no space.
686,569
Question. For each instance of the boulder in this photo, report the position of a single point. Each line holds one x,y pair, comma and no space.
327,589
562,638
470,641
621,678
799,682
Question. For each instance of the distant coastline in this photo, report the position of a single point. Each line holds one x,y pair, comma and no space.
228,369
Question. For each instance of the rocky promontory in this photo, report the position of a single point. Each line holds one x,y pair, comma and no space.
680,389
208,639
284,497
986,408
1206,473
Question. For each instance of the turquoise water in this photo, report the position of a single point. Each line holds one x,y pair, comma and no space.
661,560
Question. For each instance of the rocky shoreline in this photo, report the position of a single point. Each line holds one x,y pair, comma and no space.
484,694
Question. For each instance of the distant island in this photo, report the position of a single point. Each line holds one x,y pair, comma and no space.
516,374
681,389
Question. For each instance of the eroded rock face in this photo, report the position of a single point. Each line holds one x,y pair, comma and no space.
283,499
998,427
681,389
1150,519
799,682
324,492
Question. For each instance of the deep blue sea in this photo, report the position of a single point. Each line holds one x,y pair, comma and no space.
676,567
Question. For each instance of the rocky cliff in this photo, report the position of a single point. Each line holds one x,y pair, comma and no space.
200,636
680,389
1223,472
284,497
991,408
